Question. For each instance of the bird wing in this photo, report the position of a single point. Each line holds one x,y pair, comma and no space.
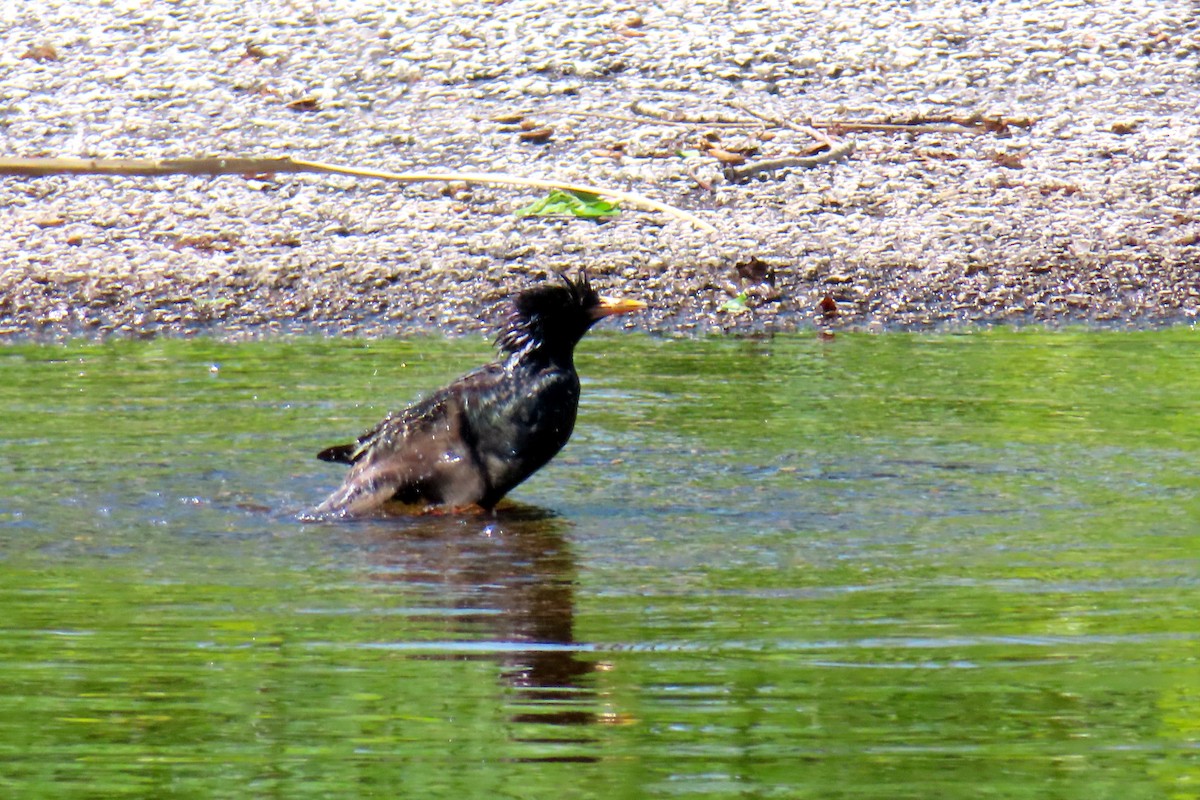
392,431
424,453
405,420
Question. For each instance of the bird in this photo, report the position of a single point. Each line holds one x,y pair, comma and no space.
467,445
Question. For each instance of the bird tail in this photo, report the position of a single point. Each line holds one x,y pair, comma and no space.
361,494
339,454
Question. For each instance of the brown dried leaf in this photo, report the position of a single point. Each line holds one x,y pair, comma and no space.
755,269
537,135
41,52
308,103
726,157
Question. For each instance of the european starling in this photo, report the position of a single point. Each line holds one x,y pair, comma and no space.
473,441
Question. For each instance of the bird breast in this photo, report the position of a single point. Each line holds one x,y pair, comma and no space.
518,431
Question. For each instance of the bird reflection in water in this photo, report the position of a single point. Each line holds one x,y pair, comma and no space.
516,569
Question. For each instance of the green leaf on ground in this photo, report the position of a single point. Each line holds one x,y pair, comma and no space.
735,305
579,204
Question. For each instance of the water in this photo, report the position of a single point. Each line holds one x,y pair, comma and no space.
877,567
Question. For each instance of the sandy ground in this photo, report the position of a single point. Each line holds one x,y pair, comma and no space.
1070,195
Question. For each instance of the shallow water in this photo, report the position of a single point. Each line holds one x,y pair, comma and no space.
876,567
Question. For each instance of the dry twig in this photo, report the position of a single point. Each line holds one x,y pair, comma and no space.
660,114
39,167
837,150
840,151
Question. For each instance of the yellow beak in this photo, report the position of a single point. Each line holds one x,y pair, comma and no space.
615,305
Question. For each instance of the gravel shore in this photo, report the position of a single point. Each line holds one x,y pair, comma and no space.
1043,166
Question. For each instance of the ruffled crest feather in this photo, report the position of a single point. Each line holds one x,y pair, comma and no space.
550,317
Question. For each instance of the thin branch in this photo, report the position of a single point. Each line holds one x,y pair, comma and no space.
644,120
654,115
677,117
39,167
773,119
848,125
747,171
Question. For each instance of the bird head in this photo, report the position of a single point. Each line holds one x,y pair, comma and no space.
554,316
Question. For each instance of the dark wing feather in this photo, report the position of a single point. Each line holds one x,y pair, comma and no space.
339,453
423,454
420,413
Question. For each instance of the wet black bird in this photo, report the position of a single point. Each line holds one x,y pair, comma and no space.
470,443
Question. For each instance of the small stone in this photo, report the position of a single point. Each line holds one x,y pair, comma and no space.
907,57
